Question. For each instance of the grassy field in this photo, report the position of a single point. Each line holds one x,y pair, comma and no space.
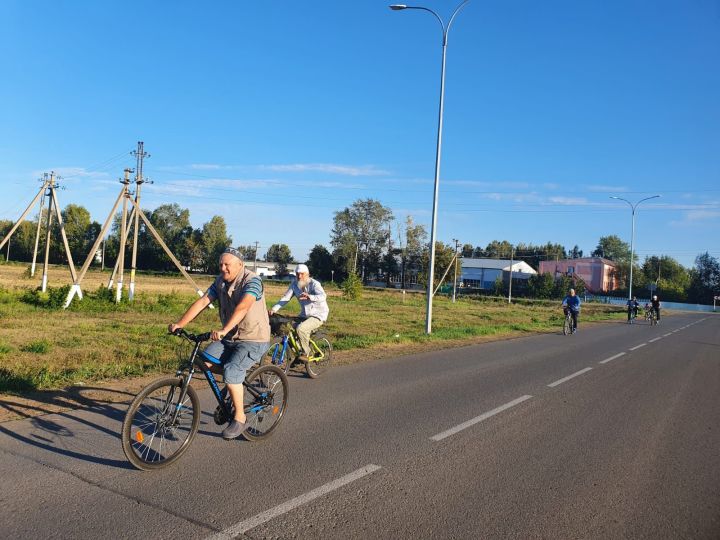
44,347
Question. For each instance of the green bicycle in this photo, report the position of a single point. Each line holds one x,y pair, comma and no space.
285,350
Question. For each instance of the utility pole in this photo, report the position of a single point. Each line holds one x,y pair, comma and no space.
255,263
37,231
123,226
51,183
456,268
512,253
140,154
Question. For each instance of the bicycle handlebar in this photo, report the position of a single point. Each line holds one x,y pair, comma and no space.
281,318
199,338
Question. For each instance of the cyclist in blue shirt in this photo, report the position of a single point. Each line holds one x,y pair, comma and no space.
632,308
572,303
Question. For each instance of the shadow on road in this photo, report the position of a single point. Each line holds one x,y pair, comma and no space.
59,438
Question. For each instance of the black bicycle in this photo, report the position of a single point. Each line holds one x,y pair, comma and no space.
568,327
163,419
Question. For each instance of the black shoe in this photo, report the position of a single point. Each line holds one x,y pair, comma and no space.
233,431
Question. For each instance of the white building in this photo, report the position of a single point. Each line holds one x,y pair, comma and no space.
482,273
263,269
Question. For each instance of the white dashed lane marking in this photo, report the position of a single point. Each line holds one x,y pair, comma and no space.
473,421
654,339
618,355
263,517
565,379
636,347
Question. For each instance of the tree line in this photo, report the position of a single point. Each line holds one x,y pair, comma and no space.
366,240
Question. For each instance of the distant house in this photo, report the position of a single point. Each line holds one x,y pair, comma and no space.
597,273
482,273
262,268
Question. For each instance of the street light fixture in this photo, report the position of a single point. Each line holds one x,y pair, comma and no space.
632,236
445,30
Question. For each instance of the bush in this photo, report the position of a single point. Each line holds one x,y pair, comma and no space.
53,298
352,287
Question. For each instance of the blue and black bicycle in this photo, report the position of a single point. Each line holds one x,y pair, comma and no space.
163,419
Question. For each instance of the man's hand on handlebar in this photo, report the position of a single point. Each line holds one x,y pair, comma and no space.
173,328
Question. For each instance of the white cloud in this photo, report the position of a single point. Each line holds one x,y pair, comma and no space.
569,201
702,215
365,170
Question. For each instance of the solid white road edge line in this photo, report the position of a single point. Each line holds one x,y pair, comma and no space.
636,347
618,355
564,379
251,523
485,416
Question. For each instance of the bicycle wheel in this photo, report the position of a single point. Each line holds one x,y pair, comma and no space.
151,438
265,411
322,357
567,325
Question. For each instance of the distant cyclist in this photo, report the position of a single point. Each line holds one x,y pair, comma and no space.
571,303
632,308
314,309
656,307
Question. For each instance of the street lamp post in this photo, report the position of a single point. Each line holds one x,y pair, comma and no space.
633,207
445,30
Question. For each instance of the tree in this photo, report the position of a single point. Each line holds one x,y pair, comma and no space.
467,250
214,240
248,252
281,256
173,225
411,257
80,231
576,252
320,263
22,242
614,249
670,277
361,231
498,250
704,279
444,254
541,285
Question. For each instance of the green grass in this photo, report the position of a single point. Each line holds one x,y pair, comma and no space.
97,339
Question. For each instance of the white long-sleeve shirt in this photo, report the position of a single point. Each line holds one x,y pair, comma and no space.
316,304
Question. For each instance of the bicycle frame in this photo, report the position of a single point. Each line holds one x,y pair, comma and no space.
194,363
290,342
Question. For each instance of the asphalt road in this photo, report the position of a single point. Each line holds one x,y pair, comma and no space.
611,433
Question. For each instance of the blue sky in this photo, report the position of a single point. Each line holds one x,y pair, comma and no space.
275,115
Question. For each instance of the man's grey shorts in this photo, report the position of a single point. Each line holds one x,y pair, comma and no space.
237,357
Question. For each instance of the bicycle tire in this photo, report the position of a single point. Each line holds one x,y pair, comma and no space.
315,368
264,414
148,440
567,325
